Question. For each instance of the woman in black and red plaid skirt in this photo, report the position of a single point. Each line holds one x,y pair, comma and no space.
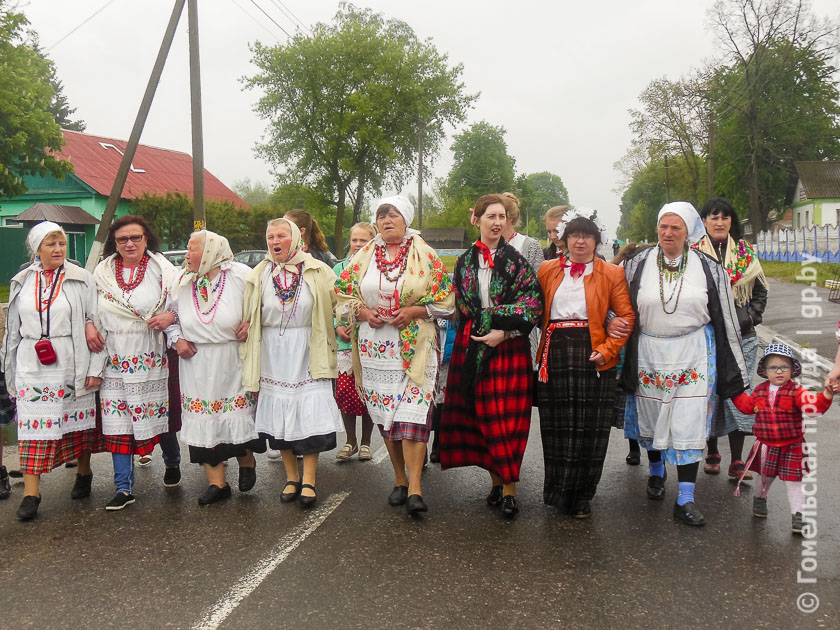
487,409
578,361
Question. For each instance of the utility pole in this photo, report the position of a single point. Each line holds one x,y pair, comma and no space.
199,218
134,139
420,137
667,182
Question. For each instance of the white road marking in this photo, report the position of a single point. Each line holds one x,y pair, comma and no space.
380,454
217,614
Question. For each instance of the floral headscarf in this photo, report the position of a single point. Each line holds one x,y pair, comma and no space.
216,251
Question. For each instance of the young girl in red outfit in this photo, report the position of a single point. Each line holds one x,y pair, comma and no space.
779,404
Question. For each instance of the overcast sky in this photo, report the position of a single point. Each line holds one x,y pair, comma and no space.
559,76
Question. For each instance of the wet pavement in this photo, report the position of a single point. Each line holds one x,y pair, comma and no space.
355,562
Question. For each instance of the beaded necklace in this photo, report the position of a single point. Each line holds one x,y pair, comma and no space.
399,263
296,286
671,272
220,286
135,279
286,293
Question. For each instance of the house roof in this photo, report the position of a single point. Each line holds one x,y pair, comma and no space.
821,180
57,213
153,171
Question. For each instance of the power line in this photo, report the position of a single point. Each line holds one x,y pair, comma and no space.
263,26
88,19
288,13
254,2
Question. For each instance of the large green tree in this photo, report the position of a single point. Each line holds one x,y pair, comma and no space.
28,132
537,193
776,98
345,105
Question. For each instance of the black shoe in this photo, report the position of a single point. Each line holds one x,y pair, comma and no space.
510,506
172,476
689,514
494,499
288,497
414,504
247,477
81,488
120,500
398,496
305,501
214,494
5,486
582,509
633,458
656,486
71,464
28,508
15,474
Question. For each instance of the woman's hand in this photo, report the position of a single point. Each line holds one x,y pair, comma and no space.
618,328
95,341
242,331
833,380
343,333
598,358
404,316
92,382
185,349
492,339
162,321
368,315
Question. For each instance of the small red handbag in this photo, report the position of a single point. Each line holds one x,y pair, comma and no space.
45,351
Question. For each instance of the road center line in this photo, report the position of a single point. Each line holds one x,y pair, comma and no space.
220,611
380,454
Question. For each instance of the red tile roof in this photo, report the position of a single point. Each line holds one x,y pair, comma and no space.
154,171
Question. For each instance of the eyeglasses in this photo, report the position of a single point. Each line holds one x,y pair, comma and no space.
777,368
134,238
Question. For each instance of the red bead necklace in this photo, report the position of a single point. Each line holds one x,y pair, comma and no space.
136,278
399,263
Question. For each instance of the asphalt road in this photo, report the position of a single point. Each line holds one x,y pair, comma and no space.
355,562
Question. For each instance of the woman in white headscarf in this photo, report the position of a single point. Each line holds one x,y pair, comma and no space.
684,348
218,414
391,292
290,355
46,355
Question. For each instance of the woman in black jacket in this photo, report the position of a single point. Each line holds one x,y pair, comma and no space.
723,243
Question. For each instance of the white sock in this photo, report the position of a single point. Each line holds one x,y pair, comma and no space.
763,483
796,497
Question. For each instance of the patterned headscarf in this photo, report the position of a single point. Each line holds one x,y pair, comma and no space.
297,254
216,251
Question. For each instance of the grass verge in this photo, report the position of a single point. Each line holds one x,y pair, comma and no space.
790,271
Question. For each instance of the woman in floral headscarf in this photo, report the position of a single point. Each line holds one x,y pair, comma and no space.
290,355
723,243
487,409
218,414
392,291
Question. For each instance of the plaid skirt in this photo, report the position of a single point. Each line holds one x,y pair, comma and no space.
576,414
41,456
784,462
407,431
127,445
346,396
492,433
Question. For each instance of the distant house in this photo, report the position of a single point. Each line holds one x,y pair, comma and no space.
816,200
78,201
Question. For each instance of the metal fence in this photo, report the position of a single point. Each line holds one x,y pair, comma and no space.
821,241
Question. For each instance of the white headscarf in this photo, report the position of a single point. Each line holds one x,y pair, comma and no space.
296,253
39,232
404,207
216,251
692,220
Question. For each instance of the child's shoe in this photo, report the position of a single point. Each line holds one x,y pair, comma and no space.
760,507
796,523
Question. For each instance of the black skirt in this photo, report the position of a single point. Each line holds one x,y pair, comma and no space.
223,452
307,446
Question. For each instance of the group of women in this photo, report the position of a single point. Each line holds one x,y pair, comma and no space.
277,356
